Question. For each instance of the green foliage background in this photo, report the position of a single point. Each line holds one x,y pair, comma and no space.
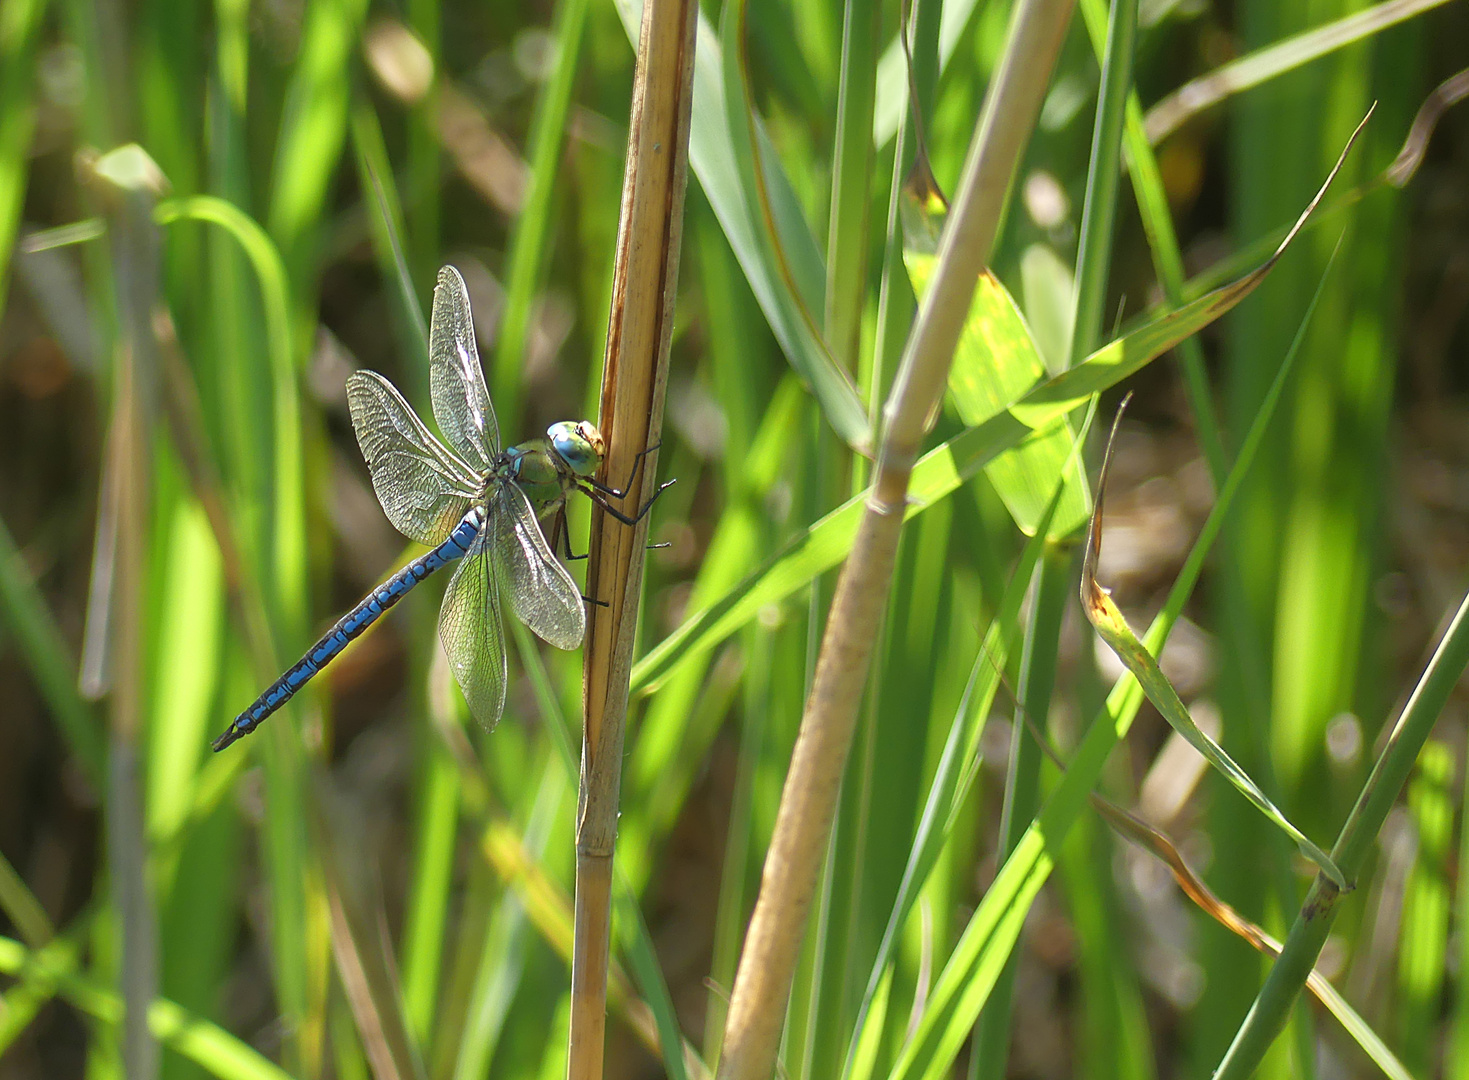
368,886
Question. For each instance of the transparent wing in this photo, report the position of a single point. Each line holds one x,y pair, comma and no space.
471,633
540,591
423,488
461,403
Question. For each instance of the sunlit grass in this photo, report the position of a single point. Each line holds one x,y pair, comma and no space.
370,885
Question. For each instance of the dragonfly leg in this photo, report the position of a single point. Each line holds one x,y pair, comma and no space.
600,496
615,493
561,533
637,463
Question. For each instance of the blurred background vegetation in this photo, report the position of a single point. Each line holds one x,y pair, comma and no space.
368,855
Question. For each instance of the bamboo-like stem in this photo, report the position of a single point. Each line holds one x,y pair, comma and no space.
640,326
808,802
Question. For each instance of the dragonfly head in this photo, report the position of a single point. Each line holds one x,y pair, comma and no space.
578,444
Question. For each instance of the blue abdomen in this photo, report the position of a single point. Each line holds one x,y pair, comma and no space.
352,624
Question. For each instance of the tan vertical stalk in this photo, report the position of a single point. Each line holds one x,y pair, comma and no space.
803,825
640,325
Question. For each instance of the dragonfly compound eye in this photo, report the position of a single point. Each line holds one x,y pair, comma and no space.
579,445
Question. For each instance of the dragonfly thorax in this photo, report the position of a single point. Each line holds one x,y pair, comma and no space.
538,469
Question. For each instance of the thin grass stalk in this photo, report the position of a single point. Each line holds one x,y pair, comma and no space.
1022,778
816,1022
808,802
128,183
533,228
895,301
365,966
423,181
1113,989
1099,212
635,371
847,242
1272,1007
1157,222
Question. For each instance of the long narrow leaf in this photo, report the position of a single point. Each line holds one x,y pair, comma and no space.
1110,624
192,1036
1265,64
958,766
941,471
983,948
715,154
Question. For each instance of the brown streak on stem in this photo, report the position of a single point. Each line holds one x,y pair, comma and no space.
635,370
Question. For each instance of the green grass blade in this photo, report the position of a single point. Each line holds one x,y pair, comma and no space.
192,1036
637,946
1052,598
385,221
721,156
1099,212
997,360
940,471
313,126
956,772
49,658
848,241
426,922
777,233
287,565
533,229
1110,624
22,908
1424,929
1353,846
1157,222
187,659
20,29
1358,1028
896,306
504,949
980,956
892,73
1259,67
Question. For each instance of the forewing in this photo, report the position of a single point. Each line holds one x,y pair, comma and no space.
461,403
540,591
472,635
423,488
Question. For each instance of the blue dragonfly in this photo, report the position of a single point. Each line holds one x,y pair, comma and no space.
471,503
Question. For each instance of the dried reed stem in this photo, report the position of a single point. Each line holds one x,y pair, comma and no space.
639,329
808,803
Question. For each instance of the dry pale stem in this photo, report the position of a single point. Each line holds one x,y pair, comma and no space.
635,371
787,883
808,801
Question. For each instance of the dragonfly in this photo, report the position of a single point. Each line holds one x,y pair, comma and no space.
472,504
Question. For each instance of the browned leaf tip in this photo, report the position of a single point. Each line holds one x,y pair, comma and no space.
1091,592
